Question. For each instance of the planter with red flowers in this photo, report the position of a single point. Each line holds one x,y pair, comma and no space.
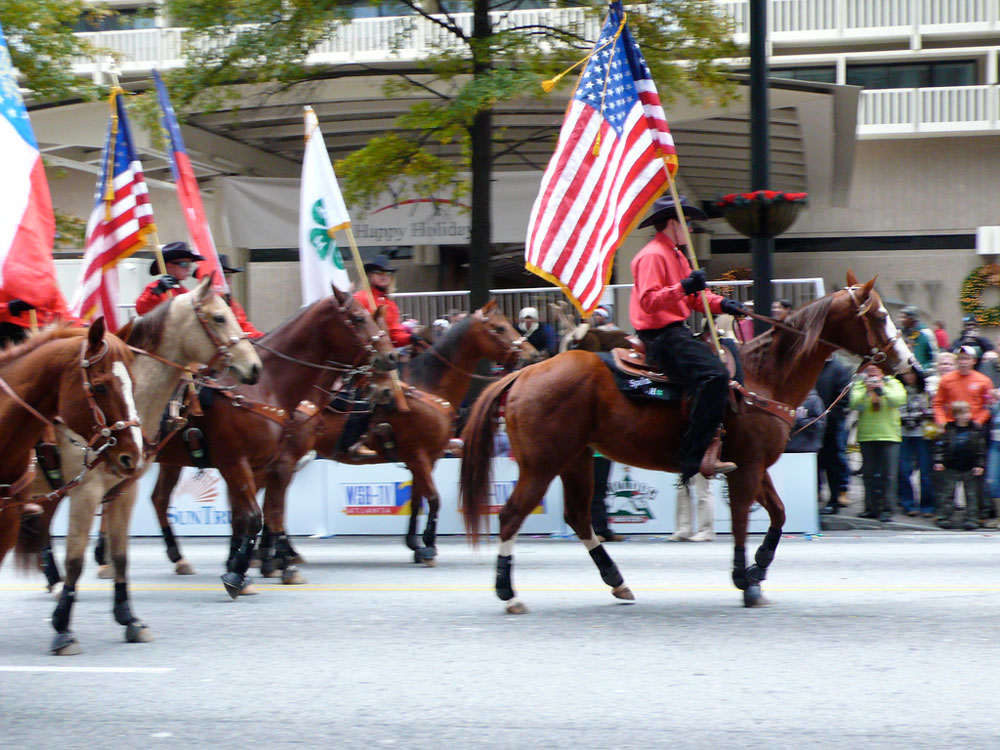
762,213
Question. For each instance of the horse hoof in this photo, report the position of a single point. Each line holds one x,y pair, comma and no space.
105,571
414,544
291,576
65,644
754,597
425,555
136,632
184,568
233,583
255,563
516,607
249,590
270,573
297,559
623,592
430,562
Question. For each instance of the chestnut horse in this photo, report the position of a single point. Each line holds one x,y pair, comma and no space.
84,377
417,437
328,347
198,327
561,409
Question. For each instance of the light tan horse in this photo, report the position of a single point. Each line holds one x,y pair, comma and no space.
189,328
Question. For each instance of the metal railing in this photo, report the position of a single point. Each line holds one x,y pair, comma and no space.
803,20
426,307
926,110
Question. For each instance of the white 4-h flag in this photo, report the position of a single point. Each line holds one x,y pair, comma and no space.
321,213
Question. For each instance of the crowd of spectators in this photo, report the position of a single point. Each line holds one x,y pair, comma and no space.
921,435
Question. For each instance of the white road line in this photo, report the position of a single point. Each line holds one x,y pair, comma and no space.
101,670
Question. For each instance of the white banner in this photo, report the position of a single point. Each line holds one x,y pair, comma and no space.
327,498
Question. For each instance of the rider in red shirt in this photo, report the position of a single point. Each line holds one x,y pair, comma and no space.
177,258
664,296
380,273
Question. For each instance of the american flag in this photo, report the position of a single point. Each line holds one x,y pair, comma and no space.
609,166
119,223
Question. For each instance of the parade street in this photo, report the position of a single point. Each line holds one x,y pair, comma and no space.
876,639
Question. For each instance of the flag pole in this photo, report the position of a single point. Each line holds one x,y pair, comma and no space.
33,317
397,387
694,261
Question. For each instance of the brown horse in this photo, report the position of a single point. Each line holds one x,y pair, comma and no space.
84,377
416,437
195,327
561,409
326,348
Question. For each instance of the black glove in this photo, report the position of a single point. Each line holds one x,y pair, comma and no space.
166,282
733,307
694,283
18,306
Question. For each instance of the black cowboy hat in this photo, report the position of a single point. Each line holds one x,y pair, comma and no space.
226,268
173,252
381,263
664,209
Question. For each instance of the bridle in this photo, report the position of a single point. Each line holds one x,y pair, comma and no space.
223,355
512,350
102,437
877,355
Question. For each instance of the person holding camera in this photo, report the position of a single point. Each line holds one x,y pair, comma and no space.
915,451
877,400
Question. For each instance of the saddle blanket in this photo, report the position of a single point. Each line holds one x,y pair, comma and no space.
641,387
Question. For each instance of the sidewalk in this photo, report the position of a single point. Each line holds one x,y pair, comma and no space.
847,518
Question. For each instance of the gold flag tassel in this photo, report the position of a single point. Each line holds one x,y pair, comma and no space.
550,84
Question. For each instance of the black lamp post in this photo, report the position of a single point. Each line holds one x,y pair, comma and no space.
761,248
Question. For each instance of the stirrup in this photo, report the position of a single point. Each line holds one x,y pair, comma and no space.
360,450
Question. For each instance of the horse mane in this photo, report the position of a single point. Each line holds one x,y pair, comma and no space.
147,330
61,330
777,350
428,368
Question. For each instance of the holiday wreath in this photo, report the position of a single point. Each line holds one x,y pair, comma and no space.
971,294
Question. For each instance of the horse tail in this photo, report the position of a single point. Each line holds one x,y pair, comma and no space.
30,539
479,436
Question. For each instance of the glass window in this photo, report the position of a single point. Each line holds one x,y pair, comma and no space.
913,75
826,74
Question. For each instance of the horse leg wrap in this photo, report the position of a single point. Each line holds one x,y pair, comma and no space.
60,618
234,547
740,568
430,530
609,571
282,550
265,548
764,556
504,586
173,554
101,549
49,567
242,560
122,611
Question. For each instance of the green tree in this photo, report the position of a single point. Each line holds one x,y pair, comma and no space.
42,45
471,71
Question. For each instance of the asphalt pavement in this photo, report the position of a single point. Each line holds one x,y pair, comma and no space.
874,640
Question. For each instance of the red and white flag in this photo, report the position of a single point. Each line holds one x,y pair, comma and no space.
609,166
119,223
27,224
187,191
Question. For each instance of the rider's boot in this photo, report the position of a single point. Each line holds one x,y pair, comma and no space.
360,450
710,463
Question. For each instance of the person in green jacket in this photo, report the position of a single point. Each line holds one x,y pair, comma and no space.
877,399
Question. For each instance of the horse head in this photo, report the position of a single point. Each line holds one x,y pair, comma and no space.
96,399
368,330
865,328
207,331
497,339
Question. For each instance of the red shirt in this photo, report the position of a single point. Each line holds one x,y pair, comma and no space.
973,388
43,316
150,299
942,339
393,325
241,318
658,298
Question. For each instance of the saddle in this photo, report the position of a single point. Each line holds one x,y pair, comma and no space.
633,362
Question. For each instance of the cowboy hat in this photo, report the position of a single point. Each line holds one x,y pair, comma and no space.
664,209
172,253
226,268
381,264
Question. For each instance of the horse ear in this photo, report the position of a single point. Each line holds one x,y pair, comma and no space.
866,290
95,334
852,280
341,296
125,332
489,306
204,288
379,316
